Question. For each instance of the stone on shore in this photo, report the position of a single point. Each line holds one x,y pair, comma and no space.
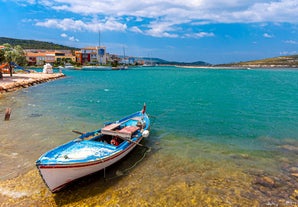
265,181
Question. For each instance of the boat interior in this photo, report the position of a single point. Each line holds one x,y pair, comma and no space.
116,133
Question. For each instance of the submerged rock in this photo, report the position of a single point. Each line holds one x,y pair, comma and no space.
265,181
293,169
290,148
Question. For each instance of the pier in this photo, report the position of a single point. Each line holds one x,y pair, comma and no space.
25,80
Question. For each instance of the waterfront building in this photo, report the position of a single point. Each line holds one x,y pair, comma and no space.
40,57
79,57
64,57
96,55
92,55
35,58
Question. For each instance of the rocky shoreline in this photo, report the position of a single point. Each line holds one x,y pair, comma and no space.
25,80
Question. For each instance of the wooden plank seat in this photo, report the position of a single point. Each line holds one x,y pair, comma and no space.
128,131
110,129
125,132
111,126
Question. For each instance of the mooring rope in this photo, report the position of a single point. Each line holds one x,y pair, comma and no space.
152,118
120,173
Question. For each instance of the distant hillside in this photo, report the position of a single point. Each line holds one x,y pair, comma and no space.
33,44
282,61
165,62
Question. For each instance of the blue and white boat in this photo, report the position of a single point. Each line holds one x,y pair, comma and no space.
93,151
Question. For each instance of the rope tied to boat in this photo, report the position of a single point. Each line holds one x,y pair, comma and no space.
120,173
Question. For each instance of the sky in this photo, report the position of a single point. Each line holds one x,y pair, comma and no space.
214,31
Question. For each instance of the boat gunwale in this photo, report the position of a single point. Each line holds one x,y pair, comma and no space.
97,160
89,163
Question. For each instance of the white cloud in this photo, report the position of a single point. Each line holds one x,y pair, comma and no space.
292,42
48,3
63,35
136,29
70,38
163,18
200,35
64,24
161,29
24,2
73,39
78,25
266,35
228,10
214,10
139,19
264,11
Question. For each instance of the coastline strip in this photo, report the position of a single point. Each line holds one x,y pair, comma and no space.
22,80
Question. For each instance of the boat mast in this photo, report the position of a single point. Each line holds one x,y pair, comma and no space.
124,61
100,58
99,37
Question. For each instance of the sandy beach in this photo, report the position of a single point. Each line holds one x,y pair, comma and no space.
25,80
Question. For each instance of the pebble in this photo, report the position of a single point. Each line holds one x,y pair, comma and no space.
293,169
265,181
289,147
294,196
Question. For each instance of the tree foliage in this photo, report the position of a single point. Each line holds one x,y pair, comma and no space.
2,56
14,55
34,44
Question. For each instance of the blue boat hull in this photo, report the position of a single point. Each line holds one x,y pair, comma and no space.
92,151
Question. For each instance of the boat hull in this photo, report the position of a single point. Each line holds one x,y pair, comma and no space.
58,176
93,151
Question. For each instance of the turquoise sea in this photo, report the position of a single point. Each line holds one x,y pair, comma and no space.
218,137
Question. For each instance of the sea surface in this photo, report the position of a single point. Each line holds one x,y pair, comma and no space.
218,137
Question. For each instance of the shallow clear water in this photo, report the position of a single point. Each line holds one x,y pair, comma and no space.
215,135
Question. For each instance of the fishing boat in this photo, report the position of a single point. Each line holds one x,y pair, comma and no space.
93,151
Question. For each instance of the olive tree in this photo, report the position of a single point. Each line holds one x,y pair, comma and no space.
14,55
